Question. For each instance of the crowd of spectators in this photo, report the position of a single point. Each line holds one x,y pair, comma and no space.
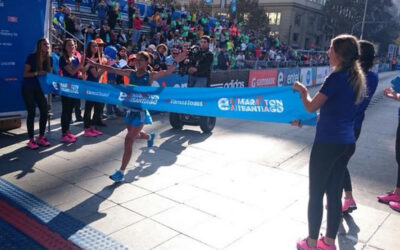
233,45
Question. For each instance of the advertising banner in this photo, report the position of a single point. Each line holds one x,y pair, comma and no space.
306,76
322,73
287,77
279,104
21,25
262,78
229,79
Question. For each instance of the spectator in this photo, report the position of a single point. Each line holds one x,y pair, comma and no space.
137,27
105,33
122,38
78,5
69,23
37,64
160,55
102,11
223,61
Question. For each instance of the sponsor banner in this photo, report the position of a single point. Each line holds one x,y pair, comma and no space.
16,43
262,78
322,73
306,76
287,77
279,104
229,79
314,76
173,80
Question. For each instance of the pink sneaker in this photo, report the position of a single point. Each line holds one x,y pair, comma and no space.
390,196
303,245
42,141
96,131
67,139
395,205
69,134
89,133
32,144
321,245
349,205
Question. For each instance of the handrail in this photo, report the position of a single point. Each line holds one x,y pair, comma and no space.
77,39
55,37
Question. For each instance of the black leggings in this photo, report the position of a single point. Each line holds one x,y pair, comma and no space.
87,120
32,97
347,180
98,111
68,104
398,154
327,167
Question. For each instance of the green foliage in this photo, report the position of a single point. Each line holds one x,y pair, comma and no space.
381,27
251,15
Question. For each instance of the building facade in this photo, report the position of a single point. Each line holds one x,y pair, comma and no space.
298,23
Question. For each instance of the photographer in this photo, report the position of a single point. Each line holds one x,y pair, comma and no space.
200,62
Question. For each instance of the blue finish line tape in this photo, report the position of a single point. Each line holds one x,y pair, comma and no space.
272,104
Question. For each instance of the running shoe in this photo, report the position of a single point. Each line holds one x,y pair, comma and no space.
390,196
321,245
395,205
349,205
67,139
32,144
96,131
118,176
89,133
150,141
303,245
42,141
71,135
112,116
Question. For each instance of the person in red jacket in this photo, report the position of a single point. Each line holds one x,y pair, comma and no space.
137,27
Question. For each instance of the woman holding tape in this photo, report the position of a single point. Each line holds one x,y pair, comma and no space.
393,198
342,90
136,119
367,61
37,64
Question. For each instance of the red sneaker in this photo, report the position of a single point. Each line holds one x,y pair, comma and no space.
390,196
88,132
321,245
96,131
303,245
67,139
69,134
395,205
349,205
32,144
42,141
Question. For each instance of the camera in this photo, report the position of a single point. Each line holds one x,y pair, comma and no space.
194,57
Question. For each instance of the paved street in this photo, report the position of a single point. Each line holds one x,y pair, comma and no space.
243,187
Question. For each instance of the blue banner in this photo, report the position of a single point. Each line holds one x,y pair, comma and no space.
21,25
274,104
287,77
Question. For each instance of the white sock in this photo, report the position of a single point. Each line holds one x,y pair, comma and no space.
122,171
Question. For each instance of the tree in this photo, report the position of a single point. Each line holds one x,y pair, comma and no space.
381,27
251,15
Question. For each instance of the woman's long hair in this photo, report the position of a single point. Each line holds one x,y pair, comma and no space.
40,58
64,51
89,53
348,49
367,55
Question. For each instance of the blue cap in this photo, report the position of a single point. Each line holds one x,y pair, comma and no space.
110,52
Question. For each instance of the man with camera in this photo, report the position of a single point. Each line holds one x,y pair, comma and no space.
200,62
